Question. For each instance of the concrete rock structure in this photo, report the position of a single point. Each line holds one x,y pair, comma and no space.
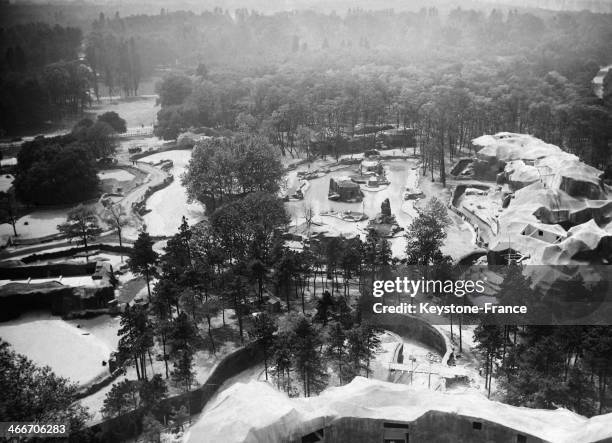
556,208
63,289
369,410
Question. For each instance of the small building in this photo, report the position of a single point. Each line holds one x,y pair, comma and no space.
273,304
344,189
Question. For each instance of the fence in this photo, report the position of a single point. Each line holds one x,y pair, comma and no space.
137,132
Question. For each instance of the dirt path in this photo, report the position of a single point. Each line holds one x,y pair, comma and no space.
155,177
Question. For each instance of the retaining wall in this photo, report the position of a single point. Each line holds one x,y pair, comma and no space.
140,206
432,426
128,426
418,329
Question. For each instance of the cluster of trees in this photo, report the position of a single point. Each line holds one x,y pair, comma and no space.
113,57
62,169
207,270
169,319
54,171
306,351
32,393
41,77
546,366
223,169
463,75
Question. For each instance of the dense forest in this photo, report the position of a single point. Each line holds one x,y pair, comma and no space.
305,75
314,77
41,77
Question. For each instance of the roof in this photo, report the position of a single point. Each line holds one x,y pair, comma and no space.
256,411
507,146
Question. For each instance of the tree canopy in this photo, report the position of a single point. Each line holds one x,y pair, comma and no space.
34,393
55,171
223,169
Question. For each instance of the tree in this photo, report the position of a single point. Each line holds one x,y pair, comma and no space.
112,119
258,270
122,398
282,361
173,89
309,215
324,306
236,288
337,350
263,332
426,234
116,218
490,339
39,395
223,169
99,137
152,391
307,358
245,227
151,429
55,172
164,299
8,209
179,416
136,339
363,344
82,224
183,335
183,374
143,258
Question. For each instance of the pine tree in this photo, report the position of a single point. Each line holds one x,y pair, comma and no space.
152,391
183,374
363,344
143,258
136,339
306,357
490,339
151,429
336,350
263,331
161,306
122,397
282,361
324,308
183,334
